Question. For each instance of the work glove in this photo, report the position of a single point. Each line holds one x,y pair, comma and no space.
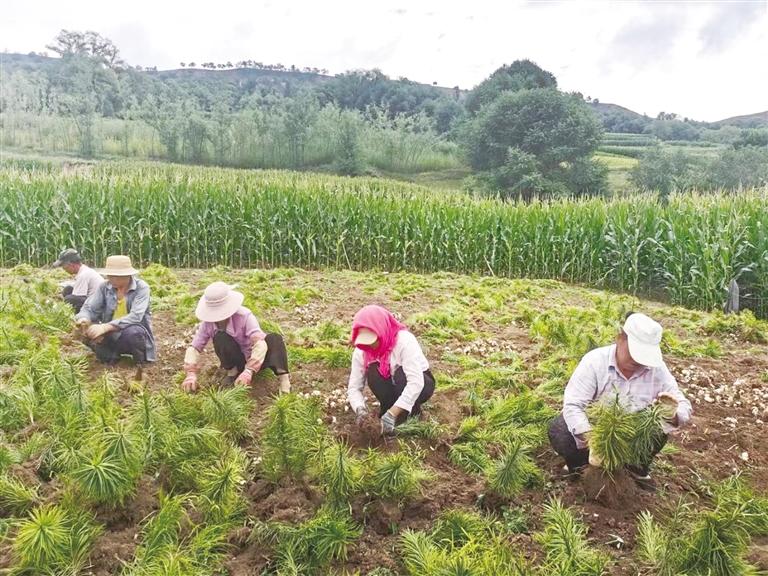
361,415
82,323
97,331
245,378
190,382
595,460
387,424
668,405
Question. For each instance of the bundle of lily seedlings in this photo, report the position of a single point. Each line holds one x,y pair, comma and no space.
310,547
464,542
98,450
498,439
712,541
297,448
461,542
620,438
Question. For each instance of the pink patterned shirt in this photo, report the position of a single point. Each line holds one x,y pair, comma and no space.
242,326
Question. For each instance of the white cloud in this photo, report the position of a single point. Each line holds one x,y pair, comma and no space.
699,59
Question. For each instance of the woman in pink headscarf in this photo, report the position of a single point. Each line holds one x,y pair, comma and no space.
389,358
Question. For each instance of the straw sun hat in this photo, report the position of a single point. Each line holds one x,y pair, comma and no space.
218,302
118,266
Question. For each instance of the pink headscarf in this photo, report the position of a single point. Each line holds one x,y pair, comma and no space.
381,322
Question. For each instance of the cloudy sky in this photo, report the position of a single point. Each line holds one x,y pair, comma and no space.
705,60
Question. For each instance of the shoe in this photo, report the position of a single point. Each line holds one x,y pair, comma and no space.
646,483
638,473
228,381
575,474
642,478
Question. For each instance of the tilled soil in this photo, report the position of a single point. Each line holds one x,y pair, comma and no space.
726,435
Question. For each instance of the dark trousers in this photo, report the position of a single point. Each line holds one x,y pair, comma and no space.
75,301
388,390
231,356
131,340
563,443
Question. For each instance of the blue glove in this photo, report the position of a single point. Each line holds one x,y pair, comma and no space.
387,424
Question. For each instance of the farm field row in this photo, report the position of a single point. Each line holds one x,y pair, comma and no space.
236,481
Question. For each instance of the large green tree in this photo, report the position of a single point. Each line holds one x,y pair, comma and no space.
535,141
88,45
86,82
520,75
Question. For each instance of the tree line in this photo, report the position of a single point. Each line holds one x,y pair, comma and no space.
518,133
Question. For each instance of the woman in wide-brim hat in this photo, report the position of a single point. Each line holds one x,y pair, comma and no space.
242,347
116,319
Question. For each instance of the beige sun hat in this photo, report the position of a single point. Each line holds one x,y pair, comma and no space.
218,302
118,265
365,337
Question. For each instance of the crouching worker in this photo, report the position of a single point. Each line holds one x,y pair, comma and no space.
116,319
631,368
86,280
241,346
389,359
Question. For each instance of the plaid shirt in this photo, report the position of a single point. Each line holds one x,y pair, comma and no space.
597,378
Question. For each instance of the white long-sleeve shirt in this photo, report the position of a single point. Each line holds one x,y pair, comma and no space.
87,281
597,376
406,354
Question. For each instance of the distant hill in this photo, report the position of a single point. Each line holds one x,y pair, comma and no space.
757,120
615,118
10,61
604,109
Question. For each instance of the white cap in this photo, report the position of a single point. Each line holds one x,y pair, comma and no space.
644,339
365,337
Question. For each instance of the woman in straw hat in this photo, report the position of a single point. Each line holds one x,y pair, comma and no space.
241,346
116,319
389,359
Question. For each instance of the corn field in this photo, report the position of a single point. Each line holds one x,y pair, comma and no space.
687,251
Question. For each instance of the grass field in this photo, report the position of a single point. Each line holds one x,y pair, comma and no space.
619,169
102,474
634,146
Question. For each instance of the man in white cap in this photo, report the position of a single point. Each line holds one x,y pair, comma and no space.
86,280
242,347
633,368
116,319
